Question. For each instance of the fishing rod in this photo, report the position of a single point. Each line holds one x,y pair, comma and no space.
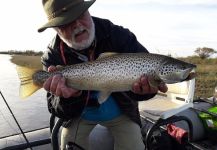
27,141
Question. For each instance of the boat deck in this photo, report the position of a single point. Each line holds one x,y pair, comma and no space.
33,118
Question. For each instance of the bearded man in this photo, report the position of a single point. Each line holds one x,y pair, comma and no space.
82,37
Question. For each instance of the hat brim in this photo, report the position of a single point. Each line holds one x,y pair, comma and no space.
67,16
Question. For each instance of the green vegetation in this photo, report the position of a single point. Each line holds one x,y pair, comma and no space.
206,79
26,52
24,60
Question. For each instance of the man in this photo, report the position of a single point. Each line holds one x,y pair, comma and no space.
81,37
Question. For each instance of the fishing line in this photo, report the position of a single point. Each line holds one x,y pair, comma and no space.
79,120
27,141
91,58
85,59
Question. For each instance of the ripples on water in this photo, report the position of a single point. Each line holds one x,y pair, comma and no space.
31,113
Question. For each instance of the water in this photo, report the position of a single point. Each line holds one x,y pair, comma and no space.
31,113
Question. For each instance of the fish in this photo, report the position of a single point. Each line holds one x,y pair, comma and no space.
110,72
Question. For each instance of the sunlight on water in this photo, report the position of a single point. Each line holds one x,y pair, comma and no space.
31,113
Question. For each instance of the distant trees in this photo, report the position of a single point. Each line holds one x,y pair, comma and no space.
205,52
26,52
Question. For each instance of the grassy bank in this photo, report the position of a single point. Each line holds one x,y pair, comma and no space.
28,61
206,79
26,52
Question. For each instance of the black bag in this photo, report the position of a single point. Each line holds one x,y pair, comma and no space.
160,139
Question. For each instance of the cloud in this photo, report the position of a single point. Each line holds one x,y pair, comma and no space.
177,27
162,2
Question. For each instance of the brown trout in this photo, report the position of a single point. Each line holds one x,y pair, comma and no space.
110,73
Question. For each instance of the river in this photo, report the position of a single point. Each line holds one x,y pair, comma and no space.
31,113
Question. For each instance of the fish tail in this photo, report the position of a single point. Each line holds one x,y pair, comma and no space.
27,87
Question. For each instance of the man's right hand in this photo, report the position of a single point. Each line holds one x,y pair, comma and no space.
57,85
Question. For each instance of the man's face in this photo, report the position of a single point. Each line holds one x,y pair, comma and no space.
79,34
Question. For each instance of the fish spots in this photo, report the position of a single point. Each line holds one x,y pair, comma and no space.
119,71
168,69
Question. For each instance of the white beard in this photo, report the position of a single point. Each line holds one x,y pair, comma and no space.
84,43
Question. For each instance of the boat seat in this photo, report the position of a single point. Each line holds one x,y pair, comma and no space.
163,108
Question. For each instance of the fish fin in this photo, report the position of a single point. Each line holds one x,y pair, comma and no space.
103,96
27,87
107,54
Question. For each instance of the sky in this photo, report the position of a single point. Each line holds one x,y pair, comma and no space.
175,27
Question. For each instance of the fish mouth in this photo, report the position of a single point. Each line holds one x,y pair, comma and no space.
189,74
186,74
182,75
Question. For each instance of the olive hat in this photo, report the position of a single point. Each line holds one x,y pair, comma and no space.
61,12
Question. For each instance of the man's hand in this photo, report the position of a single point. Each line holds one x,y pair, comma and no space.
57,85
143,87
